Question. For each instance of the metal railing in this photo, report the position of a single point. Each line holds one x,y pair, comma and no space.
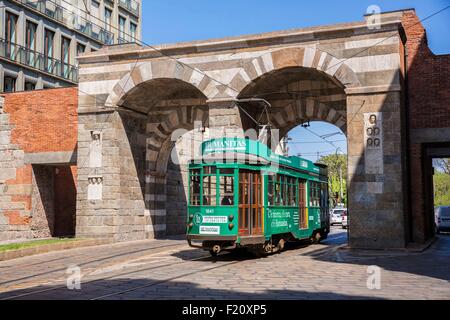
70,19
37,60
130,5
121,40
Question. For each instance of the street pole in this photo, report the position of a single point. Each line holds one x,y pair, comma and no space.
340,181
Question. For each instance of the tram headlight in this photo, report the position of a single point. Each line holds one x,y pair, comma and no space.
231,226
190,225
191,216
230,217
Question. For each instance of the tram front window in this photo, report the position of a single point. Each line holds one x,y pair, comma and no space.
226,185
209,190
195,187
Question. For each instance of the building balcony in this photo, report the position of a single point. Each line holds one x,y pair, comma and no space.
38,61
130,5
122,40
70,19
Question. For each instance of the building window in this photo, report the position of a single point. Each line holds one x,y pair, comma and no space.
29,86
95,9
65,56
11,35
122,22
11,23
108,15
133,31
9,84
81,48
30,43
48,49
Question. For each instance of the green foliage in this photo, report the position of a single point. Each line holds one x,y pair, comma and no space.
36,243
336,162
441,182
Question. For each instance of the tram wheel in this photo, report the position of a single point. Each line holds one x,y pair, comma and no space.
281,244
213,253
316,238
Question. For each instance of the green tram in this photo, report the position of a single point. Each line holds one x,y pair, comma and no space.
241,194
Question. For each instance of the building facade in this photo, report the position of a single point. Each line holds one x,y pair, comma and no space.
40,40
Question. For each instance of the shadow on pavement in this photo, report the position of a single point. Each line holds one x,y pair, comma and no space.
154,289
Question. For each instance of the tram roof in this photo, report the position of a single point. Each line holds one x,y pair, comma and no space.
223,148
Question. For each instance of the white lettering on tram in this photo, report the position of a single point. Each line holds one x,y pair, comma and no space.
209,230
215,219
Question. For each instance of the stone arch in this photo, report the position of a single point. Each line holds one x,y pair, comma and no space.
165,204
301,110
184,117
304,57
161,69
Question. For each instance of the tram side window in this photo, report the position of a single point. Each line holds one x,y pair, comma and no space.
278,191
314,194
324,195
270,192
291,192
209,190
282,191
226,190
195,187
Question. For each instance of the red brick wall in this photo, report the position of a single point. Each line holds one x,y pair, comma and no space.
429,107
428,79
42,121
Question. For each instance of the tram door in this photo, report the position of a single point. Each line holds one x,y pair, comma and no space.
250,203
302,210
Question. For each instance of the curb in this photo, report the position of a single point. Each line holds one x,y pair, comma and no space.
409,249
14,254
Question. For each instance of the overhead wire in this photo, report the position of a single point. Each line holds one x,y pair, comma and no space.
235,90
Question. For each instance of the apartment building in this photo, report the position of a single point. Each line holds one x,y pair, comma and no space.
40,39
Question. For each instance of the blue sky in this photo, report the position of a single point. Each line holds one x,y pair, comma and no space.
169,21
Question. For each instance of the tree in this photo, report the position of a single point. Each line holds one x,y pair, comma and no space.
335,164
441,183
442,165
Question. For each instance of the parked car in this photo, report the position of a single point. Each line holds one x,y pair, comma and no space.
442,218
344,216
336,216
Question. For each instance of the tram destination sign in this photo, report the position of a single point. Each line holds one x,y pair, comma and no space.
252,147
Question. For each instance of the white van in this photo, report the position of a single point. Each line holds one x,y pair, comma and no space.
442,218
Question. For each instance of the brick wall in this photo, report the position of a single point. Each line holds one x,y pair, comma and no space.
44,120
428,79
429,108
34,122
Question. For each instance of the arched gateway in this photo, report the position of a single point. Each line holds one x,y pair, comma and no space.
133,99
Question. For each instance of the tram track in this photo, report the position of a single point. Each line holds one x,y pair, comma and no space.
62,284
86,264
158,282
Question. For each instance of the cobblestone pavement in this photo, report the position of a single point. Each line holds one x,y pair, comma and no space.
169,269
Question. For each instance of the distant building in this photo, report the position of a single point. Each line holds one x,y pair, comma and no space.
40,39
